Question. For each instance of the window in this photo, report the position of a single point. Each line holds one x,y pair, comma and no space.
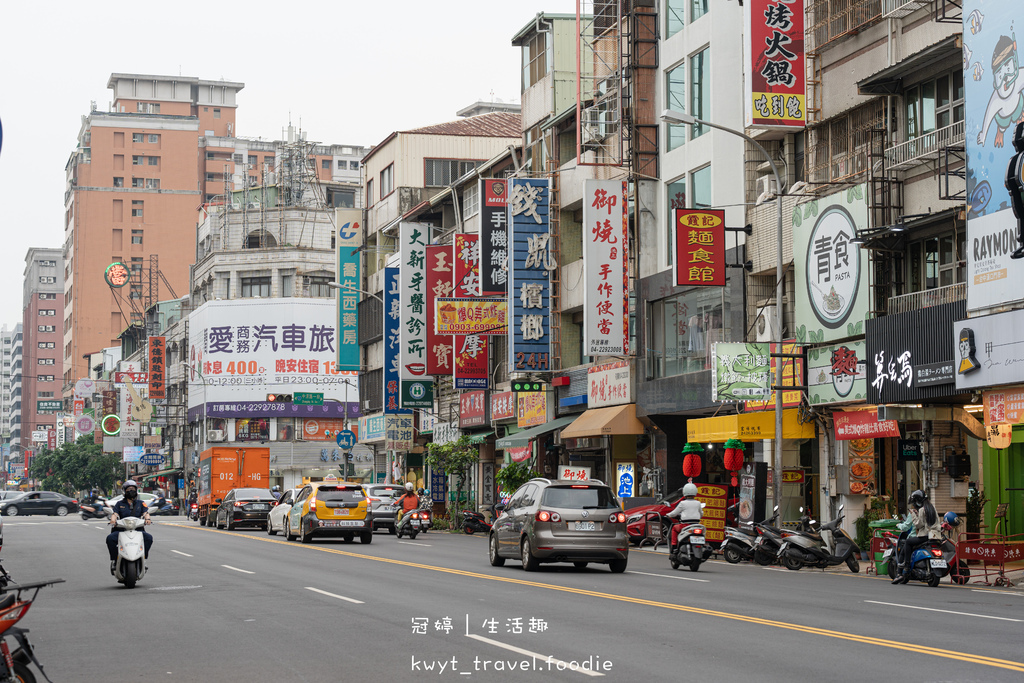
237,158
47,328
353,165
137,208
43,428
325,164
118,182
387,181
683,329
137,160
936,262
442,172
675,94
700,88
45,394
342,199
471,200
269,161
369,192
46,345
47,312
152,183
210,177
153,161
137,137
44,378
252,160
147,107
675,19
153,138
698,8
138,182
216,113
47,280
47,263
934,104
341,164
136,237
318,287
44,361
536,59
700,188
47,296
255,286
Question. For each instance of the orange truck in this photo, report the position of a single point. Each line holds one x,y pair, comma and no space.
224,468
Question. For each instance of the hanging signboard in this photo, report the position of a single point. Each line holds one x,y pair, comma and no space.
473,409
609,384
529,285
503,406
349,239
863,424
741,372
471,316
990,350
792,376
157,356
605,268
531,409
471,367
713,517
412,354
700,248
398,432
440,347
837,373
392,343
775,88
493,238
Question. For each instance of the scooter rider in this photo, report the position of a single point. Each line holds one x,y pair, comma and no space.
129,506
94,504
687,511
409,501
926,525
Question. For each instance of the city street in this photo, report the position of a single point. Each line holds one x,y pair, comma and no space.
243,606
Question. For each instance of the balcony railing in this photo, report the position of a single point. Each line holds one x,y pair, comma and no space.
928,297
922,148
897,9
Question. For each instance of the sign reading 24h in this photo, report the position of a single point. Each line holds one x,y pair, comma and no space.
529,285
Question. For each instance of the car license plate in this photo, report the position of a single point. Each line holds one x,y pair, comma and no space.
697,540
387,508
341,511
938,564
584,526
259,506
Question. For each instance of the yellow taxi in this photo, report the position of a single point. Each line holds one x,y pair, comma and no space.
330,508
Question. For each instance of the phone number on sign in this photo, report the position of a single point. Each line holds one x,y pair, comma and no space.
309,379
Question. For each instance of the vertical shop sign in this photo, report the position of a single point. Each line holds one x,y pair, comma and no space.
349,239
713,518
775,88
392,343
412,365
493,238
157,354
700,248
440,347
529,284
605,269
470,350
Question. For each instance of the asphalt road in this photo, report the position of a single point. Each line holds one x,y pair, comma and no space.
243,606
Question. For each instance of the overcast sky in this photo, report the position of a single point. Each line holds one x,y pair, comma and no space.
349,72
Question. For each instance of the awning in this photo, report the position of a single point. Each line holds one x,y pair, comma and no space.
889,81
524,437
747,427
161,473
479,437
604,422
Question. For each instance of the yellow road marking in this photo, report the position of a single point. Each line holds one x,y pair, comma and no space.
867,640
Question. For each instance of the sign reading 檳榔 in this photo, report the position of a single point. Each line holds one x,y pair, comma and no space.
605,268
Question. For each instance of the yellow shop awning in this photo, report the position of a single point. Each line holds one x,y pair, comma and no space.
605,422
747,427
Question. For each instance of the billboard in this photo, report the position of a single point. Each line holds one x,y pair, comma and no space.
837,374
493,237
529,286
349,239
605,268
392,322
775,88
439,284
412,352
700,248
471,316
742,372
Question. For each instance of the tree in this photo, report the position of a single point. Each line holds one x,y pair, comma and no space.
454,458
76,467
513,475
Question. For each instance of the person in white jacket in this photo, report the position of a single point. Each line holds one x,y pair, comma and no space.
687,511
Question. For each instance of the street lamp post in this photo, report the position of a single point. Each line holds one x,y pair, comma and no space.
670,116
196,370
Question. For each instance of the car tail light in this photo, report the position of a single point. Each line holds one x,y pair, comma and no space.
312,502
543,516
273,503
937,552
619,517
579,486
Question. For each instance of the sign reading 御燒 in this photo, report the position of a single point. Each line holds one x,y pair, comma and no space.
609,384
605,268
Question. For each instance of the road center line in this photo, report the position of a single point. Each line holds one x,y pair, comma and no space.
335,595
425,545
228,566
914,648
181,553
666,576
546,659
946,611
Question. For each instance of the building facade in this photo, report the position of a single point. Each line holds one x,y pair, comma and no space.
42,354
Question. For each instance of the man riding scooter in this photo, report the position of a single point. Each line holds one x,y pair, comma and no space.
926,524
687,511
129,506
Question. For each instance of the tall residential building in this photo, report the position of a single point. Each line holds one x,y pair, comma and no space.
41,348
9,425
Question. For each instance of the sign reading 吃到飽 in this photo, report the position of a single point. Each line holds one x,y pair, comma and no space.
605,268
529,284
775,88
493,237
440,347
349,239
412,296
742,372
308,398
609,384
700,248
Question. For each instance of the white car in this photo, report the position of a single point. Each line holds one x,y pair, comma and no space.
146,499
279,513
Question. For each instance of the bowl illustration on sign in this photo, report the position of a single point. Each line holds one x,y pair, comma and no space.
833,302
843,384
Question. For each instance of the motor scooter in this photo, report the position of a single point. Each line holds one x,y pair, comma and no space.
473,522
930,562
14,605
96,510
769,540
691,547
193,511
808,547
408,524
130,566
739,542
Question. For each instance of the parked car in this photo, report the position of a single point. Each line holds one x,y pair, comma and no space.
39,503
560,521
249,507
330,508
382,504
278,514
636,521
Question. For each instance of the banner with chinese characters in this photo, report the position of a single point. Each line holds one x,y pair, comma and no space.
473,409
837,373
775,74
863,424
609,384
605,269
831,274
792,376
412,354
471,316
503,406
700,248
741,372
349,239
371,428
397,432
440,347
493,237
471,370
531,409
157,378
529,285
392,343
574,472
467,265
713,517
1004,406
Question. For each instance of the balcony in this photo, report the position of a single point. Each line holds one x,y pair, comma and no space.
924,148
897,9
927,298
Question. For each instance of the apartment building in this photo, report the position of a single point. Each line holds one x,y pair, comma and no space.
42,355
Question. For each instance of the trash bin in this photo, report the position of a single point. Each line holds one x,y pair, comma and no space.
878,529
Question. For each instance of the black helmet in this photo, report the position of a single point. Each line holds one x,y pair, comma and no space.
917,499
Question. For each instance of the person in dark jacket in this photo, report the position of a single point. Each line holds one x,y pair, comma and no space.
129,506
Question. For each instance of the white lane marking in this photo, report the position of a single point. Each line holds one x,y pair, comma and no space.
946,611
985,590
335,595
776,569
425,545
228,566
666,576
544,660
101,527
181,553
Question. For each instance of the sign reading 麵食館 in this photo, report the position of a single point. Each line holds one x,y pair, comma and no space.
775,88
605,268
349,239
700,248
529,285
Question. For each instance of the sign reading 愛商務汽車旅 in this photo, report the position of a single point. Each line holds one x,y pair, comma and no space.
609,384
605,268
990,350
530,263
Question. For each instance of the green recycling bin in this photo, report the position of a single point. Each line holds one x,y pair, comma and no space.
878,529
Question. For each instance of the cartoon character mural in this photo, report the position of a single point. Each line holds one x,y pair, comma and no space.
1006,106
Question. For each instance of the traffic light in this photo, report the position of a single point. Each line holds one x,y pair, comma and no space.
279,398
521,386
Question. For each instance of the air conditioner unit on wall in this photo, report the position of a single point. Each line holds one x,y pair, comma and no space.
765,187
766,327
215,434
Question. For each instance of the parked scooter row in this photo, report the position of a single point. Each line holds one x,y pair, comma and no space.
15,602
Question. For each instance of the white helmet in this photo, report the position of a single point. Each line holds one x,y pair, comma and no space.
408,486
690,490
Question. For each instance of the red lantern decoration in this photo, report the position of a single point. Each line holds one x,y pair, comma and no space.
691,465
734,458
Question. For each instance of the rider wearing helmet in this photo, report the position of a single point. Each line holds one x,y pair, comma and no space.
408,500
926,524
129,506
276,491
688,511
